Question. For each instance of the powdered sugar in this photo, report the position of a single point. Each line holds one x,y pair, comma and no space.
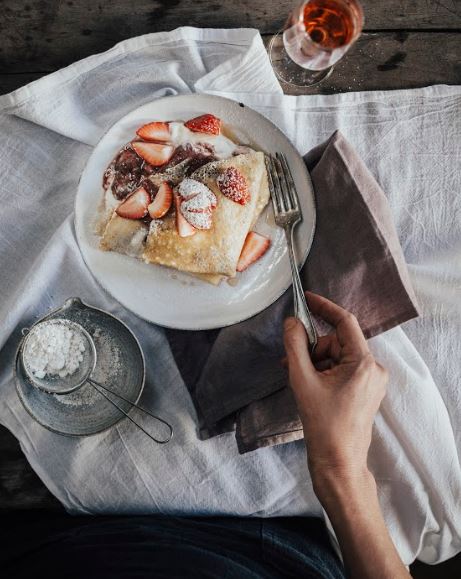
155,226
53,349
190,187
200,220
84,396
196,204
105,372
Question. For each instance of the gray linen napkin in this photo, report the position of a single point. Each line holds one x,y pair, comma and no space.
234,375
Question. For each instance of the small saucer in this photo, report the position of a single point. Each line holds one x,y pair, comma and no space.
120,367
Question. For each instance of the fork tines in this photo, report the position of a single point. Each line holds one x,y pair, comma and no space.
281,184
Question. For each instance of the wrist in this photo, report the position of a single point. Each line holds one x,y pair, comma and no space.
335,485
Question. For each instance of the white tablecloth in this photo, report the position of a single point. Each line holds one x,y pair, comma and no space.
411,140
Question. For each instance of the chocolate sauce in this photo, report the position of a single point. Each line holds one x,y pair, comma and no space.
148,170
127,161
128,170
197,155
150,187
108,174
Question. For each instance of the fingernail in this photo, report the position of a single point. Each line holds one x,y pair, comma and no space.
290,324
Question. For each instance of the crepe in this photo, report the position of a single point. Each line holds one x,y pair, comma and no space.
128,236
217,250
125,236
263,199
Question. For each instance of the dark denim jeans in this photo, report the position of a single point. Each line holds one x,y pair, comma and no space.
167,548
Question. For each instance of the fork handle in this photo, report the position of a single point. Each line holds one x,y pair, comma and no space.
301,310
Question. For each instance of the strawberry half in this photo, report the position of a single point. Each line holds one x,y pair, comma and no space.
198,219
162,201
212,198
156,131
234,186
154,153
190,188
134,206
183,227
208,124
255,246
197,203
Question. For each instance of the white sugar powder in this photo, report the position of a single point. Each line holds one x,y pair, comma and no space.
197,203
198,220
54,349
84,396
190,188
156,225
106,371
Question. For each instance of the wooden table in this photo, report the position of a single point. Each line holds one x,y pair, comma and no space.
405,44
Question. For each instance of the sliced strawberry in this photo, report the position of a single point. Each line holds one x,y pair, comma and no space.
155,131
183,227
190,188
134,206
234,186
208,124
212,198
162,202
154,153
197,203
198,219
254,247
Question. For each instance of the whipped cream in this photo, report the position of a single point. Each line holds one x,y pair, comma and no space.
180,135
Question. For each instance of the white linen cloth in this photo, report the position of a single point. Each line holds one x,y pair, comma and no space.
411,141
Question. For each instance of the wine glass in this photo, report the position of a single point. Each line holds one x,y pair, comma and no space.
317,35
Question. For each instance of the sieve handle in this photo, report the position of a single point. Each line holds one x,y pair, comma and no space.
97,385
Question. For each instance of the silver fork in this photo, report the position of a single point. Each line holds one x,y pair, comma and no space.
288,214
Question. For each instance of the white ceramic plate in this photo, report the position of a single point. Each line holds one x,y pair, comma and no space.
165,296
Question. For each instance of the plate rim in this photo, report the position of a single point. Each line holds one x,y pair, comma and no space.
301,261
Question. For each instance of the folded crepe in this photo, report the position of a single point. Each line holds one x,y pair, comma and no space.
209,255
215,251
124,236
115,230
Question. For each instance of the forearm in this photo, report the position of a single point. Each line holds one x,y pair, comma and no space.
351,502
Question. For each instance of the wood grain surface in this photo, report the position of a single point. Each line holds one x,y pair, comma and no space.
379,60
20,487
393,60
40,36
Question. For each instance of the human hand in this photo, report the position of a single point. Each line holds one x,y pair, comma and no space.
338,391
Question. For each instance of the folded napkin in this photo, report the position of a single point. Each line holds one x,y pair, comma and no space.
234,375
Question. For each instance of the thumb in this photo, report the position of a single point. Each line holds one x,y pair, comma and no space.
296,346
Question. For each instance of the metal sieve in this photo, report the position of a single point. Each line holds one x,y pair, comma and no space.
55,384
